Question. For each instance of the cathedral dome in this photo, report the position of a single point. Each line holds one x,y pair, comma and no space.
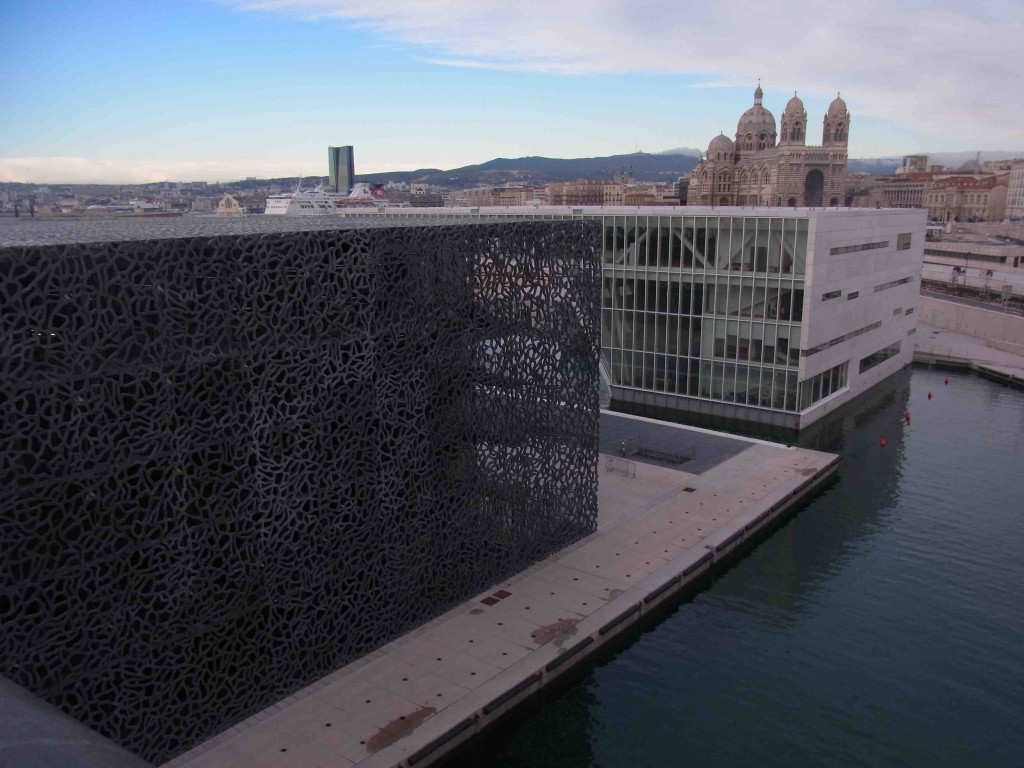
838,107
757,120
721,148
794,106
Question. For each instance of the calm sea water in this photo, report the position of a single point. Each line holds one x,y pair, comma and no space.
882,626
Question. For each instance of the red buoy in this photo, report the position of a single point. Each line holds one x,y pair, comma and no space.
929,395
906,416
883,442
946,380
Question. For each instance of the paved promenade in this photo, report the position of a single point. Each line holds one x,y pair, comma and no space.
937,345
665,520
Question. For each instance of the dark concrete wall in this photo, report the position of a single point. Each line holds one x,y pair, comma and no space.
232,464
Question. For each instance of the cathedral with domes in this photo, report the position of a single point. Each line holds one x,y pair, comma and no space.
763,168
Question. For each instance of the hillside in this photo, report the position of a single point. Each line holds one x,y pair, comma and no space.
544,170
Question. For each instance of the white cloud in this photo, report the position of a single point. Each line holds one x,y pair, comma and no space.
86,170
946,69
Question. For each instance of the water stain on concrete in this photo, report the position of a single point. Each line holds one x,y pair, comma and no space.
397,728
477,611
557,632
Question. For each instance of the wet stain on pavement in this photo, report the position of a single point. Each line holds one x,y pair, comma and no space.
558,632
397,728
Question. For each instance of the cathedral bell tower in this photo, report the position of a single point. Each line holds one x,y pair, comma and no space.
794,122
836,127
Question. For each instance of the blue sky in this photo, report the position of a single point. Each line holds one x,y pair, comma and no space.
222,89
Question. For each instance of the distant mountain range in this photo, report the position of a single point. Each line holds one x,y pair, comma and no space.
664,166
544,170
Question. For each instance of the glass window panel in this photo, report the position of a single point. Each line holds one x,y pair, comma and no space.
695,336
671,334
607,291
648,360
800,254
652,296
683,376
756,342
699,241
633,253
660,373
791,388
775,246
788,246
689,234
648,254
711,246
798,304
674,288
732,331
675,244
661,333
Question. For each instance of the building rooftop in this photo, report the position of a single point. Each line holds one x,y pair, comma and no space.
21,232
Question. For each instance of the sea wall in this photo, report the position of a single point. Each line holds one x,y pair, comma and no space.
998,329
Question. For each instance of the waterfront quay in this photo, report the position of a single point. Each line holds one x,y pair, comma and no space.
675,504
948,349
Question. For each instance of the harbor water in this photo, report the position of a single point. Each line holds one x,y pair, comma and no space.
883,625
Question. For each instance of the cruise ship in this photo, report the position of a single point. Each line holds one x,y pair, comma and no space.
321,202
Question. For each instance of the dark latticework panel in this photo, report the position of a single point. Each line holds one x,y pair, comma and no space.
230,465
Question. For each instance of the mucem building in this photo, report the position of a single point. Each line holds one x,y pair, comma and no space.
237,455
749,317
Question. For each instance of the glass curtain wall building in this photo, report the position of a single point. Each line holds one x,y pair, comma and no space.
705,306
739,315
341,169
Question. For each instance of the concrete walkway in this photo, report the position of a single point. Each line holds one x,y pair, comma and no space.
939,345
660,528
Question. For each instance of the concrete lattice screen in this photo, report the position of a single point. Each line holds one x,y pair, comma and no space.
231,464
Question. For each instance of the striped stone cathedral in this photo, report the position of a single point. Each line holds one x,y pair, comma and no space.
762,168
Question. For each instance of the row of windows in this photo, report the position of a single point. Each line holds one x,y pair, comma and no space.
967,256
854,248
775,245
841,339
758,300
903,241
892,284
726,382
876,358
852,295
821,386
773,345
831,295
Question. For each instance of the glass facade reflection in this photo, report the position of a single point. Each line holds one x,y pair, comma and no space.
705,306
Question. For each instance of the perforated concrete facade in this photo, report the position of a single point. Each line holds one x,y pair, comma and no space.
236,457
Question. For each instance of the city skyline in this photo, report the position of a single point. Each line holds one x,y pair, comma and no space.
99,92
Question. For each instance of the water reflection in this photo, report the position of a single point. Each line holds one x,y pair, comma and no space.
880,626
